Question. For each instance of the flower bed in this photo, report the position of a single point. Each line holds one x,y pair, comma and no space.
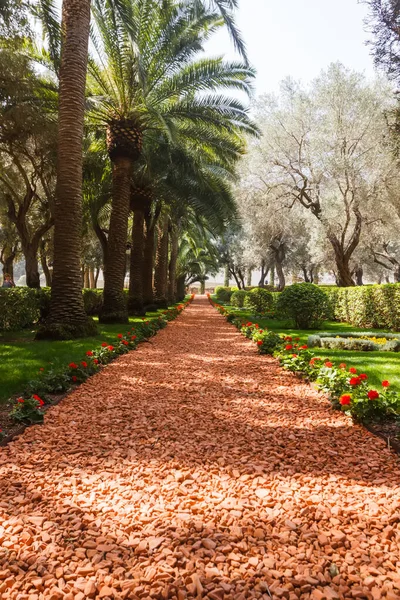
366,341
347,389
39,394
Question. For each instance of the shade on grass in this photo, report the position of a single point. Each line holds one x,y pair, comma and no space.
21,357
377,365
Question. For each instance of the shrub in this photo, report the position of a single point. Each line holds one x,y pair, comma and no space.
303,303
21,307
357,341
222,293
259,301
238,298
367,306
267,341
93,301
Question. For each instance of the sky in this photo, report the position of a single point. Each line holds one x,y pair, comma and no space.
299,38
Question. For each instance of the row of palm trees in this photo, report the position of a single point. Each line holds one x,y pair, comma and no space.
162,132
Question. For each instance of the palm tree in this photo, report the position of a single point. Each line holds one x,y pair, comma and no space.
145,83
67,317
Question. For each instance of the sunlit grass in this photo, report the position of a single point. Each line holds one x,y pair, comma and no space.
21,357
377,365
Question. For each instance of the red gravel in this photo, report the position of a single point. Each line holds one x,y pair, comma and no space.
195,468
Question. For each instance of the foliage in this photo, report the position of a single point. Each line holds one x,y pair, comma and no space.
28,410
259,301
222,293
367,306
384,342
304,303
238,298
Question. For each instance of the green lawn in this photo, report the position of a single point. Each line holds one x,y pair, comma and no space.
21,357
377,365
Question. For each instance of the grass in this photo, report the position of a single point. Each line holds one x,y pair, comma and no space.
21,357
377,365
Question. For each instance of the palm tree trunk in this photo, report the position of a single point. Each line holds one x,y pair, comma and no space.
226,276
172,289
135,299
67,317
114,305
91,278
148,260
161,264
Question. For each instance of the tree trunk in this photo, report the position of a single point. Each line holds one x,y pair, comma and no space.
86,282
272,276
180,286
281,276
358,272
172,290
264,274
115,308
91,278
44,263
135,299
96,277
396,274
202,287
31,266
226,276
305,274
161,264
8,265
248,280
148,261
342,260
67,318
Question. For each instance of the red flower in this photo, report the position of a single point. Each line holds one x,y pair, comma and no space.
38,399
256,326
363,376
342,365
133,337
110,348
288,338
328,364
104,345
294,355
288,347
297,339
352,370
345,399
373,394
74,378
20,400
355,381
120,336
385,383
89,353
259,343
96,362
73,366
41,369
304,347
125,342
84,364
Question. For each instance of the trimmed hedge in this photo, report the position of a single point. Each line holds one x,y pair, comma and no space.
223,294
238,298
23,307
376,306
259,301
355,341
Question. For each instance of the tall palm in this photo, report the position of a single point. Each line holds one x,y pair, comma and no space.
67,316
145,81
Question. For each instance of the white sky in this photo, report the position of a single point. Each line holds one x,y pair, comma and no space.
299,38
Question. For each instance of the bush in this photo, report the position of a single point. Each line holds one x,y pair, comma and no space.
93,301
259,301
304,303
367,306
22,307
356,341
237,298
222,293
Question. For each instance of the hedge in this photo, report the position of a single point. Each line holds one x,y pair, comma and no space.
376,306
23,307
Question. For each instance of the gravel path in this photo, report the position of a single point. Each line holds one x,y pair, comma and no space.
194,468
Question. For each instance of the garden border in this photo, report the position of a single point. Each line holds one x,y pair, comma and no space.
7,438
